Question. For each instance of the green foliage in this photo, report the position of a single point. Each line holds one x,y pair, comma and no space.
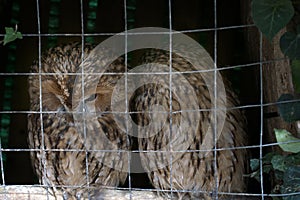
11,35
266,163
290,44
286,168
286,140
289,111
271,15
291,182
283,162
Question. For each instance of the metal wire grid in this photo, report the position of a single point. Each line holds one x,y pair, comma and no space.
261,105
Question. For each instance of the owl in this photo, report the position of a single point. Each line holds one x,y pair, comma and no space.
71,125
177,148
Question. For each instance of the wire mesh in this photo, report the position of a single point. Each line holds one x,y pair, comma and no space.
110,18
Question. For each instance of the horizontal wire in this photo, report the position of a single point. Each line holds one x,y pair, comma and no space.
151,112
145,73
149,151
135,33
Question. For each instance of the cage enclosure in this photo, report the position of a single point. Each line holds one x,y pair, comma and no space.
256,70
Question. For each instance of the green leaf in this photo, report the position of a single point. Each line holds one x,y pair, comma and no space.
290,44
292,160
291,183
267,168
278,175
271,15
285,136
254,164
11,35
278,162
296,74
19,35
268,157
9,30
289,111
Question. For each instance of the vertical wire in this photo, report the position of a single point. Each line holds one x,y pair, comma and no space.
83,95
126,97
215,132
170,91
43,156
2,170
261,117
2,167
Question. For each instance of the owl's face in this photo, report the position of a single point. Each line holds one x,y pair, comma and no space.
63,91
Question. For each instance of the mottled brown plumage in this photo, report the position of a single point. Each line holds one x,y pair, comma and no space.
61,155
190,174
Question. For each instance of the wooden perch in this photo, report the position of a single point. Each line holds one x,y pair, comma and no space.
36,192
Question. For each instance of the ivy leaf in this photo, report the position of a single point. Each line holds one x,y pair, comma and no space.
291,183
267,167
268,158
271,15
254,164
278,162
282,162
11,35
290,44
290,111
285,136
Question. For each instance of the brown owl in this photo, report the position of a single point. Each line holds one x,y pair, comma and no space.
68,141
175,151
